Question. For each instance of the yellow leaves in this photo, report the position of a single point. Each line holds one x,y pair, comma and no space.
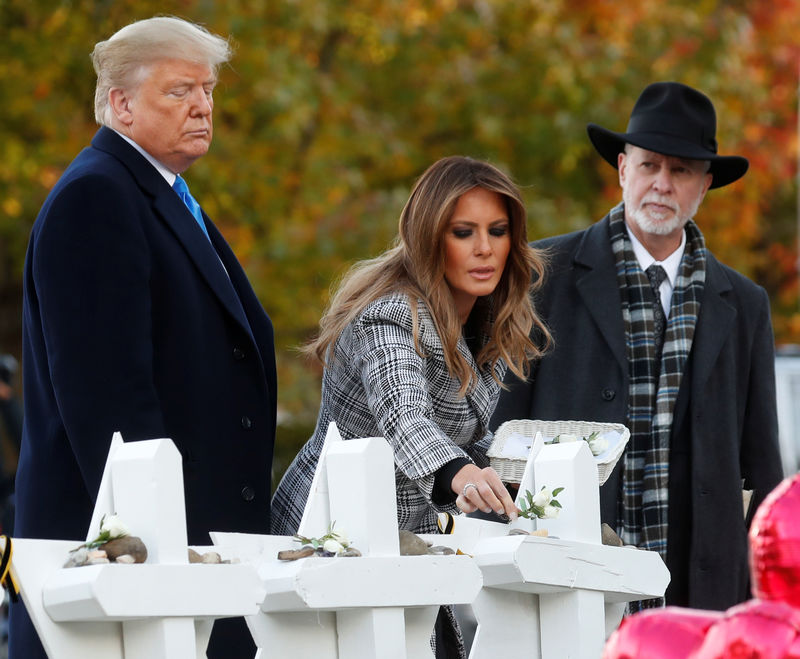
331,109
242,241
336,194
416,18
12,207
375,38
782,93
312,58
48,176
41,91
56,21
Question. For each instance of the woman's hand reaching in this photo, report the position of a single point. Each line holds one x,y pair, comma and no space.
482,489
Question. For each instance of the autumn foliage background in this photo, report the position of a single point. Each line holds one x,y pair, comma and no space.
331,108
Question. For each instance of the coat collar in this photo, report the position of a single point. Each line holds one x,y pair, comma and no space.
714,326
172,211
714,323
482,397
594,266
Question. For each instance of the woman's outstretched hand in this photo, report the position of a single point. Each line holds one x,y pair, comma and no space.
482,489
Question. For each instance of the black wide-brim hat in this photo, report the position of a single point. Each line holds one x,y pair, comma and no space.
674,120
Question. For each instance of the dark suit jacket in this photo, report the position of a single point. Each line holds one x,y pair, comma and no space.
131,323
725,422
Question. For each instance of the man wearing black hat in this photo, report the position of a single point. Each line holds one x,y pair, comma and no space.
652,331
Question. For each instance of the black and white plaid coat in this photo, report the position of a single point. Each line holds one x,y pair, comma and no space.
377,385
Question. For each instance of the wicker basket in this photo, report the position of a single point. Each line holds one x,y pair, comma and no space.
511,469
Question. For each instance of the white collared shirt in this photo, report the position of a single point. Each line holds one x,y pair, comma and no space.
671,265
168,175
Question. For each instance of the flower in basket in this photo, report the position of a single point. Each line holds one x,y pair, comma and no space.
596,443
542,505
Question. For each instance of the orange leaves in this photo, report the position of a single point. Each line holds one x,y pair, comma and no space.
329,110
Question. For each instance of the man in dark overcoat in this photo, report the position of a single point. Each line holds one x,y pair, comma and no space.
138,317
653,332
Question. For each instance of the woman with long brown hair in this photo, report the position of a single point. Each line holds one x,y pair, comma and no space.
415,344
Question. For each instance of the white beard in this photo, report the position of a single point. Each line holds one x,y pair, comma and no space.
660,224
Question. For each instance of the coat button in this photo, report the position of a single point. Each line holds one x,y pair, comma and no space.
238,354
609,394
248,493
246,423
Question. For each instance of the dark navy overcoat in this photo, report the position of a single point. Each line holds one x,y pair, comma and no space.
135,322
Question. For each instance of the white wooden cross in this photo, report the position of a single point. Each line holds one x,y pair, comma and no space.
557,596
161,609
377,606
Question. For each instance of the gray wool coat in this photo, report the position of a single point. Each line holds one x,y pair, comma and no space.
724,433
378,385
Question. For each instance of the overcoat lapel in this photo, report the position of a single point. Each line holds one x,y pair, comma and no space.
200,250
169,207
714,324
481,396
593,268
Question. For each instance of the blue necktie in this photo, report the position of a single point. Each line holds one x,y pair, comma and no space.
194,208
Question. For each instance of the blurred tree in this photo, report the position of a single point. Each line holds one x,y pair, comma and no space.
329,110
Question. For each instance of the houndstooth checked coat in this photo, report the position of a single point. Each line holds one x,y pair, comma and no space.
377,385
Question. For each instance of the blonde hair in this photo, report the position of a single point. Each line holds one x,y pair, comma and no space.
122,60
415,266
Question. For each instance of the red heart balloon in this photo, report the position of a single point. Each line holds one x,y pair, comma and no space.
670,633
754,630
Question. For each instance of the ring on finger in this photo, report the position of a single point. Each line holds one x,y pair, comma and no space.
466,487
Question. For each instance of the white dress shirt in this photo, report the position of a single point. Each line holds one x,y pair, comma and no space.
671,265
166,173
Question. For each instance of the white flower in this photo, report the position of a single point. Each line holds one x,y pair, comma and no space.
542,505
542,497
598,445
563,438
551,512
113,525
333,546
340,536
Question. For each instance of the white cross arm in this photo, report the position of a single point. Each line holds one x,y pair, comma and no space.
129,592
548,565
369,582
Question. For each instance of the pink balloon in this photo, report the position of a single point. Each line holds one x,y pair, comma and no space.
767,627
775,545
670,633
754,630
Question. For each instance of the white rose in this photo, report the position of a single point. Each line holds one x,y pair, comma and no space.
341,536
567,438
332,546
542,497
113,525
598,445
551,512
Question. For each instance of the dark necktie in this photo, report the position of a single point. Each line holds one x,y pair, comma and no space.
655,273
194,208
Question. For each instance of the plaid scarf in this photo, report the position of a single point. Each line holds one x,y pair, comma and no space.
653,388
